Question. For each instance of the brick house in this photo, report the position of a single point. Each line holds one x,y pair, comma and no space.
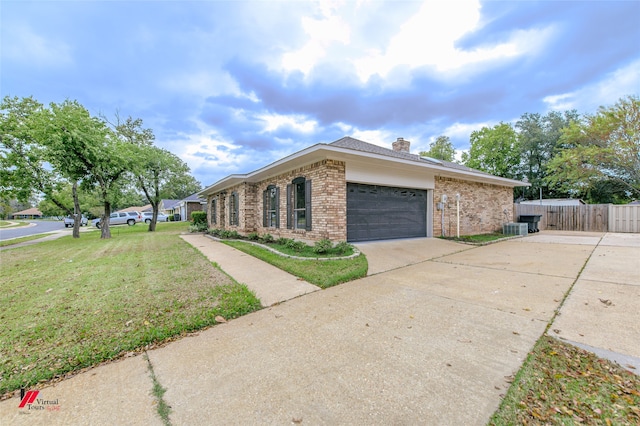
356,191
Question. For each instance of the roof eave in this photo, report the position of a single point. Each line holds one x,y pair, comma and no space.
323,151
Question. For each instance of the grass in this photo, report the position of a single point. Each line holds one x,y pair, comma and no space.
561,384
6,224
69,304
323,273
478,239
163,409
21,239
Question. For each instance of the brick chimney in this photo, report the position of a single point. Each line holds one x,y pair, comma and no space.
401,145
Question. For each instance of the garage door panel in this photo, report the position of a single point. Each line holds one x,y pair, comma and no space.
377,212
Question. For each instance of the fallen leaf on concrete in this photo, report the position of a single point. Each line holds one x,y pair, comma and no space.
220,319
555,330
605,301
516,333
526,309
297,421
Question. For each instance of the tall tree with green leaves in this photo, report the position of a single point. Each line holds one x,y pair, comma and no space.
441,149
495,150
601,150
85,146
155,168
539,139
27,164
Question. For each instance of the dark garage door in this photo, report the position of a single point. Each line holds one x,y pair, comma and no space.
382,212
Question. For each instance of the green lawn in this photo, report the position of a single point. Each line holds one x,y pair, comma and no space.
68,304
21,239
323,273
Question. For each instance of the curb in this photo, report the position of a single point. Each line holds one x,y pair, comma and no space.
356,252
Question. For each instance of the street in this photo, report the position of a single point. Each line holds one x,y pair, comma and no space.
35,227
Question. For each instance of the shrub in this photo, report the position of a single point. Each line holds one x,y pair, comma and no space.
283,241
342,247
229,234
199,217
322,246
267,238
200,227
296,245
253,236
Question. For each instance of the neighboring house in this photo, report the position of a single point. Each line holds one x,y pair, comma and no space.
356,191
188,205
32,213
555,202
166,206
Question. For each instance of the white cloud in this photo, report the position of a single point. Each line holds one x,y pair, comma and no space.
26,46
203,150
298,122
428,39
331,28
463,130
621,82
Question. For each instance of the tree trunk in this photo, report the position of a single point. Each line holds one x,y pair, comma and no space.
76,209
154,218
105,231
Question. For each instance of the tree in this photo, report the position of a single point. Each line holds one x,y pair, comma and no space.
156,168
441,149
601,151
180,187
86,146
495,150
539,137
25,155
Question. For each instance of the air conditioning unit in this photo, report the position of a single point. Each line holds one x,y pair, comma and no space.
515,229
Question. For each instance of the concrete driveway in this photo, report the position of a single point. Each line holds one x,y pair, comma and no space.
432,336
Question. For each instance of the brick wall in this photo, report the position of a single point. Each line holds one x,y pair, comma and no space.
193,207
482,207
328,204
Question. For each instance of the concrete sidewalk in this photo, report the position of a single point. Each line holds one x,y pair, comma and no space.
435,341
270,284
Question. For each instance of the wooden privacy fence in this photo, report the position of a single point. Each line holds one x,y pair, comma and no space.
589,217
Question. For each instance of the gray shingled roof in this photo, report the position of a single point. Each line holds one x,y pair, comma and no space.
358,145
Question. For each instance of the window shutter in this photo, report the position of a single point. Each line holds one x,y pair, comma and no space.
307,204
237,208
265,200
278,207
289,207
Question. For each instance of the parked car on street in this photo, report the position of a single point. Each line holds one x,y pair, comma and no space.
68,221
121,218
147,216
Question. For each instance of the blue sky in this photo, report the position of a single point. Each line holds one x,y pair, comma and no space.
230,86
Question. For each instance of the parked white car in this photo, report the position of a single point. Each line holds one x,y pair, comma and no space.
148,216
68,221
121,218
